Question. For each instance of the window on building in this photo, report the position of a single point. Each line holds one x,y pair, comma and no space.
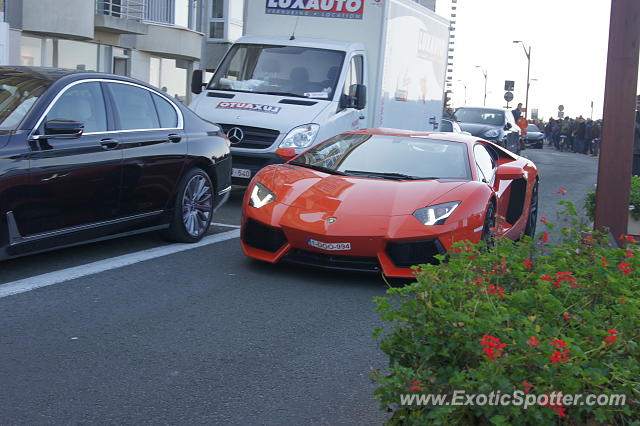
77,55
36,51
167,75
216,20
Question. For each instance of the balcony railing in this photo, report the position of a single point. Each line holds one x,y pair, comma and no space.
126,9
161,11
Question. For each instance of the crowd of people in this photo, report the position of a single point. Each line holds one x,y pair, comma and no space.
574,135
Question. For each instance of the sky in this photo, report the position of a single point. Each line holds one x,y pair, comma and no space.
569,40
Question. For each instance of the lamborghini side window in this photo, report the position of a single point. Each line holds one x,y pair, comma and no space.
484,162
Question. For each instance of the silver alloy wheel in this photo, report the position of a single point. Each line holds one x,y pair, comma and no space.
197,204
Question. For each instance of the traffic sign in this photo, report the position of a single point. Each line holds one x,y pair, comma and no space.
508,96
561,108
509,85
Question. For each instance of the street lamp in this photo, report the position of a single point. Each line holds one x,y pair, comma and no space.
465,91
485,73
528,53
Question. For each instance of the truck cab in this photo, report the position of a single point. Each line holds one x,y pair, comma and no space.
275,97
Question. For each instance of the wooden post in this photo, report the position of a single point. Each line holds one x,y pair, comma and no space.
616,153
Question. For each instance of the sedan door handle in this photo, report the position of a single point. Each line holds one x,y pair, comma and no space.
175,138
109,143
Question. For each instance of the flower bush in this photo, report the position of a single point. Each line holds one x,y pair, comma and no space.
522,316
634,200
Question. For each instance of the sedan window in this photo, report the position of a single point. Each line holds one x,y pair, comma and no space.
166,113
134,107
84,103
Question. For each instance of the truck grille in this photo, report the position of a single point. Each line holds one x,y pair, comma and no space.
254,137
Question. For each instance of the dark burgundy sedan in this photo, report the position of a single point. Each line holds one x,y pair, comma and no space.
90,156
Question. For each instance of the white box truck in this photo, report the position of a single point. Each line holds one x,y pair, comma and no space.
310,69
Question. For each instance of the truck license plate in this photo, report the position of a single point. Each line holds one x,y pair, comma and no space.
241,173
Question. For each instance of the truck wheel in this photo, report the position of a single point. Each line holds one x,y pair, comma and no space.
193,210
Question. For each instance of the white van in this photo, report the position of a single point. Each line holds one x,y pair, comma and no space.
307,73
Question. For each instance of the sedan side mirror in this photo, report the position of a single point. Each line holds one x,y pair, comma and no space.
509,172
508,126
197,81
63,129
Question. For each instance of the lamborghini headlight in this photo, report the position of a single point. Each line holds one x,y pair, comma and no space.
261,196
436,215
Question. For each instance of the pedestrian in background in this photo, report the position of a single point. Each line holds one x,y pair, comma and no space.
517,113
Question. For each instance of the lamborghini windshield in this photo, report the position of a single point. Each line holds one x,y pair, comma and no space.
389,157
280,70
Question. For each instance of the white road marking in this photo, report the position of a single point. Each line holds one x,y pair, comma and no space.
225,225
57,277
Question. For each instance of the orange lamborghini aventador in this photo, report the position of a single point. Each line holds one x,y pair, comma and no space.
382,200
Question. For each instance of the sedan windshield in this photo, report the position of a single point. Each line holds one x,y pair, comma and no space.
389,157
491,117
533,128
18,93
280,70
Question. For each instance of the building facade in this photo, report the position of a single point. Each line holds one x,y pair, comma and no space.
157,41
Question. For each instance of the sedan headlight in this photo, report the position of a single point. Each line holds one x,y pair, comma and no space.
436,215
492,133
261,196
300,137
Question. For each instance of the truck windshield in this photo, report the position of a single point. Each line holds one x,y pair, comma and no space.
287,70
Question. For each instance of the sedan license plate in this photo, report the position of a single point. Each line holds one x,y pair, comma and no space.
241,173
329,246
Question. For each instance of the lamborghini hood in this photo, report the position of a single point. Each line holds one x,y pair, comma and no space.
314,191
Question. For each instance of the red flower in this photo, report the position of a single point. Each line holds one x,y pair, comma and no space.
612,336
528,263
527,387
492,347
565,276
558,343
546,277
625,268
543,220
604,263
562,190
630,253
567,316
545,237
560,410
559,356
494,289
415,386
478,280
628,238
533,342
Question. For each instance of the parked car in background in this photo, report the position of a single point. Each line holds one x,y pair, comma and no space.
534,137
89,156
382,200
493,124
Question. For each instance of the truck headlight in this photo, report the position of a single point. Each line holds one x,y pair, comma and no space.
261,196
300,137
436,215
492,133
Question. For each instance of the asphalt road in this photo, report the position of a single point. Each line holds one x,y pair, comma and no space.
202,336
